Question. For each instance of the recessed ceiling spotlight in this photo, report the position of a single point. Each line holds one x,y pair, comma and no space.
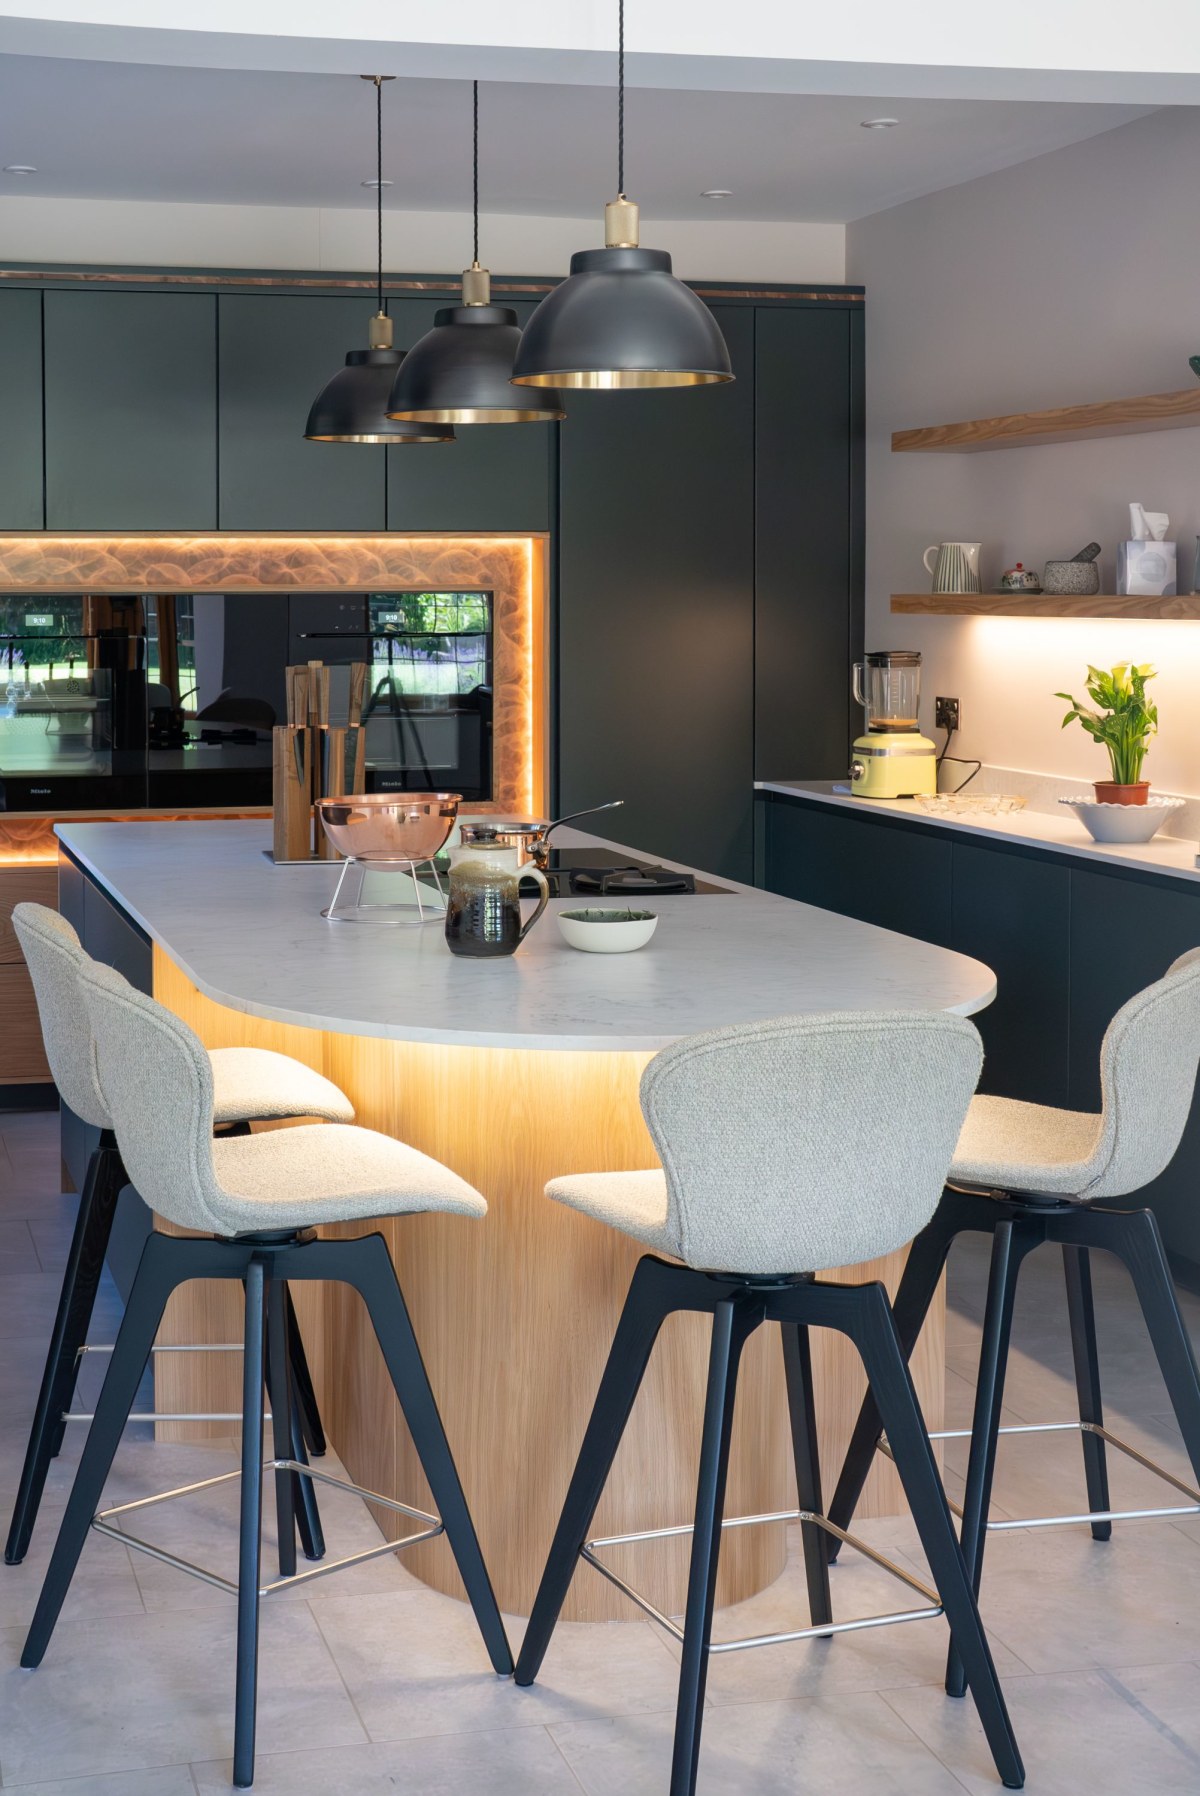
19,168
717,193
878,124
377,183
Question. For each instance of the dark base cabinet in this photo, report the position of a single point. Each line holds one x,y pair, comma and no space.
1068,943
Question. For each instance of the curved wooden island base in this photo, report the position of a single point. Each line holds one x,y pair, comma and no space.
515,1315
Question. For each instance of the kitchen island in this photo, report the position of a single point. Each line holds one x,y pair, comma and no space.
511,1072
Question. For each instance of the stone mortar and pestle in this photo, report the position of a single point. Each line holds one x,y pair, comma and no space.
1077,577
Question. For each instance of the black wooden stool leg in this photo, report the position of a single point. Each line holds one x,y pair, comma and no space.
1136,1240
371,1271
797,1363
160,1269
1082,1313
278,1387
250,1530
917,1289
875,1334
646,1308
85,1263
302,1386
1010,1244
732,1326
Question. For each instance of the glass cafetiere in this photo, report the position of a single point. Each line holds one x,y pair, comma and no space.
887,684
483,912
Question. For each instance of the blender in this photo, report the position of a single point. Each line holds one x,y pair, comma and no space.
893,760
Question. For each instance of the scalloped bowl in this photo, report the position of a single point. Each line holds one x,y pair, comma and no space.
1122,822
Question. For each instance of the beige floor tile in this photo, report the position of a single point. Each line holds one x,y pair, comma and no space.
103,1586
523,1762
168,1780
1097,1733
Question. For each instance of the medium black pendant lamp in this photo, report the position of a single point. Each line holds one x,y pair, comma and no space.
460,372
352,407
621,319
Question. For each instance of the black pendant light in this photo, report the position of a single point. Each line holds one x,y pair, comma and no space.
621,319
460,372
352,407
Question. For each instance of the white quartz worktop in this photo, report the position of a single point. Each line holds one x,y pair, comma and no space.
250,935
1053,828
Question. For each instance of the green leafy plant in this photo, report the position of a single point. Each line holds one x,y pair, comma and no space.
1123,720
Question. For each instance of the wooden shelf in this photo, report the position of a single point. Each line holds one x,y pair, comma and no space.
1042,604
1066,424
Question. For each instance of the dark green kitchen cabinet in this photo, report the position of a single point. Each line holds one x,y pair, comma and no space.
656,612
1013,912
276,352
131,411
864,867
21,432
494,477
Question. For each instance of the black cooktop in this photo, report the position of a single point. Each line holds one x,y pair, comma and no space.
605,873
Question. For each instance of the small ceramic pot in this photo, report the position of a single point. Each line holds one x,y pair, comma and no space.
1020,579
1075,578
1109,792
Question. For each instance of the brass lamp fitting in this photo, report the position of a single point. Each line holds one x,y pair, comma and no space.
621,223
379,332
476,286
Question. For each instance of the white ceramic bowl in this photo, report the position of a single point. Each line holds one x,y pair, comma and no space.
1122,822
607,931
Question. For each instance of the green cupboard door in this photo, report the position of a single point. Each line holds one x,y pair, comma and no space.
276,352
21,500
493,477
131,411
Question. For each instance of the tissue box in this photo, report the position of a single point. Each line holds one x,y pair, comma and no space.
1146,568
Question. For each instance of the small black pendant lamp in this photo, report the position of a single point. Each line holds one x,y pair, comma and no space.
621,318
460,372
352,407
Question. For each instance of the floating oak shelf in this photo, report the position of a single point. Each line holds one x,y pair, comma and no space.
1042,604
1066,424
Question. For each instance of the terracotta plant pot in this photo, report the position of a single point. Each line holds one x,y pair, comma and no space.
1109,792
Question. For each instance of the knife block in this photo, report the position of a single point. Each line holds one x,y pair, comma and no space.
311,762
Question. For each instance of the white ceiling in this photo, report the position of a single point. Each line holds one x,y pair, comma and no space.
139,132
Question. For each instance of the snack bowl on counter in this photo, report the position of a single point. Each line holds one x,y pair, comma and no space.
1122,822
607,931
970,804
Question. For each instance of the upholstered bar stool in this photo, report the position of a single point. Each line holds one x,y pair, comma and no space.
1027,1174
250,1085
775,1169
257,1199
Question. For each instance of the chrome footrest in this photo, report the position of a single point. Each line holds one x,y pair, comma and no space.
1192,1507
103,1524
590,1548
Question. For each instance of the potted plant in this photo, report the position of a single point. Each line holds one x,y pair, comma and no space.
1124,722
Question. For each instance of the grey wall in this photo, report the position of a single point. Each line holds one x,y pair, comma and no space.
1067,279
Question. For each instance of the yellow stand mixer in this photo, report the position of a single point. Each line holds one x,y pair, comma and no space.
893,759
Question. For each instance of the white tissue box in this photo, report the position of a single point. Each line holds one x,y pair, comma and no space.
1147,569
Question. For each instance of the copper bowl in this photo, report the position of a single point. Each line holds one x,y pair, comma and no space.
390,826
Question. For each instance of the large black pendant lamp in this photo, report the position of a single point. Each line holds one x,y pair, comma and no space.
352,407
460,372
621,319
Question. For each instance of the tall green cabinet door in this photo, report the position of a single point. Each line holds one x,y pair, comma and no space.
131,411
656,612
276,353
21,434
493,477
808,431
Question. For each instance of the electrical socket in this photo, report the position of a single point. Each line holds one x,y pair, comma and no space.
945,714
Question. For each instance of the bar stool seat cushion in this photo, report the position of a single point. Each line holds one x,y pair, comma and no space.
634,1202
1026,1147
294,1178
257,1085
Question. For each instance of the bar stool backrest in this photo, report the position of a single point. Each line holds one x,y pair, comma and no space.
1148,1064
157,1080
55,960
804,1143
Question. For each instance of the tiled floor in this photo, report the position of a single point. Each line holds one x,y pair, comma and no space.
372,1684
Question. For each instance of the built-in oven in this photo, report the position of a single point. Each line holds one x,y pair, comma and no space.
170,701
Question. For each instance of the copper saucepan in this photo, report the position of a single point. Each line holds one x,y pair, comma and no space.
529,836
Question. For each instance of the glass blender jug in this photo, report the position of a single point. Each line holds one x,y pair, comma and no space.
887,684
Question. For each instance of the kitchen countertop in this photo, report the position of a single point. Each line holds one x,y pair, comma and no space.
1056,829
250,936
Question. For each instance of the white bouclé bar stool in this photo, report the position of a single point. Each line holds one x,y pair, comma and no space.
250,1085
788,1148
1027,1175
256,1200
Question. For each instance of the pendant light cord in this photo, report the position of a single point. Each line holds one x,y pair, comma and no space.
475,166
379,186
621,98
